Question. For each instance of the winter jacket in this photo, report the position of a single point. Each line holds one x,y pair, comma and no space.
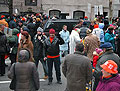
112,84
65,36
32,29
99,33
95,59
38,46
52,49
38,24
27,78
78,71
13,41
74,39
3,42
8,31
12,24
27,44
91,43
83,33
110,38
109,55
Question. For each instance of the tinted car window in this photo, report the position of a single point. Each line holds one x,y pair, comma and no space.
58,25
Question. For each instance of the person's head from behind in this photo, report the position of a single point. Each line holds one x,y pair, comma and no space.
106,47
79,47
24,55
81,21
110,29
88,32
109,68
84,23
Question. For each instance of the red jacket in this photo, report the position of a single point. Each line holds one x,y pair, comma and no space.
95,58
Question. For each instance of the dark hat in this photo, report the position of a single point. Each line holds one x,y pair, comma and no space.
51,31
25,29
106,45
20,21
84,23
110,28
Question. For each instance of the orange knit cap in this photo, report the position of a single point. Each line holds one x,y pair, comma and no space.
110,66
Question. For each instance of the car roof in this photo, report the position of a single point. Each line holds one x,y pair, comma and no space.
63,20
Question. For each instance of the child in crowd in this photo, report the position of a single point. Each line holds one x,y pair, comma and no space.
96,54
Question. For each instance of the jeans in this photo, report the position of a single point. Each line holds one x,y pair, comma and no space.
65,53
44,64
57,63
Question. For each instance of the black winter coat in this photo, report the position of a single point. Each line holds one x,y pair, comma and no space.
32,29
52,49
38,46
3,42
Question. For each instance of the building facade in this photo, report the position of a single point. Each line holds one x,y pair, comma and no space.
116,8
70,8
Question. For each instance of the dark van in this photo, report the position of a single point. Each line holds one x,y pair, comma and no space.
57,24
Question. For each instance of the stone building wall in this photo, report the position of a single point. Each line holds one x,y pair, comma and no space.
65,6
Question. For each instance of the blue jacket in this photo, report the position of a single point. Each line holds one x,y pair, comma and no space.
65,36
110,38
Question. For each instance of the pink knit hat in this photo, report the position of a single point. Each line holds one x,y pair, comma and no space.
98,50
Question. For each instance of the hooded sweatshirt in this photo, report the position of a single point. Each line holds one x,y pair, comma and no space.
112,84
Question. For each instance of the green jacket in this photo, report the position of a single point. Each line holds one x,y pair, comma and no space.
13,41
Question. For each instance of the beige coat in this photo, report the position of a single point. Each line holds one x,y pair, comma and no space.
91,43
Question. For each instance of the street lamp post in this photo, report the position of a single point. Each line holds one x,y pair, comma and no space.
41,7
110,10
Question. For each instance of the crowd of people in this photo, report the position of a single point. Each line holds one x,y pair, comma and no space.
91,53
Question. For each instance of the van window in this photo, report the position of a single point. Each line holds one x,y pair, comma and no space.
59,25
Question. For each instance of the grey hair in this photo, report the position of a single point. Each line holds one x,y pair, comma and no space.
24,55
